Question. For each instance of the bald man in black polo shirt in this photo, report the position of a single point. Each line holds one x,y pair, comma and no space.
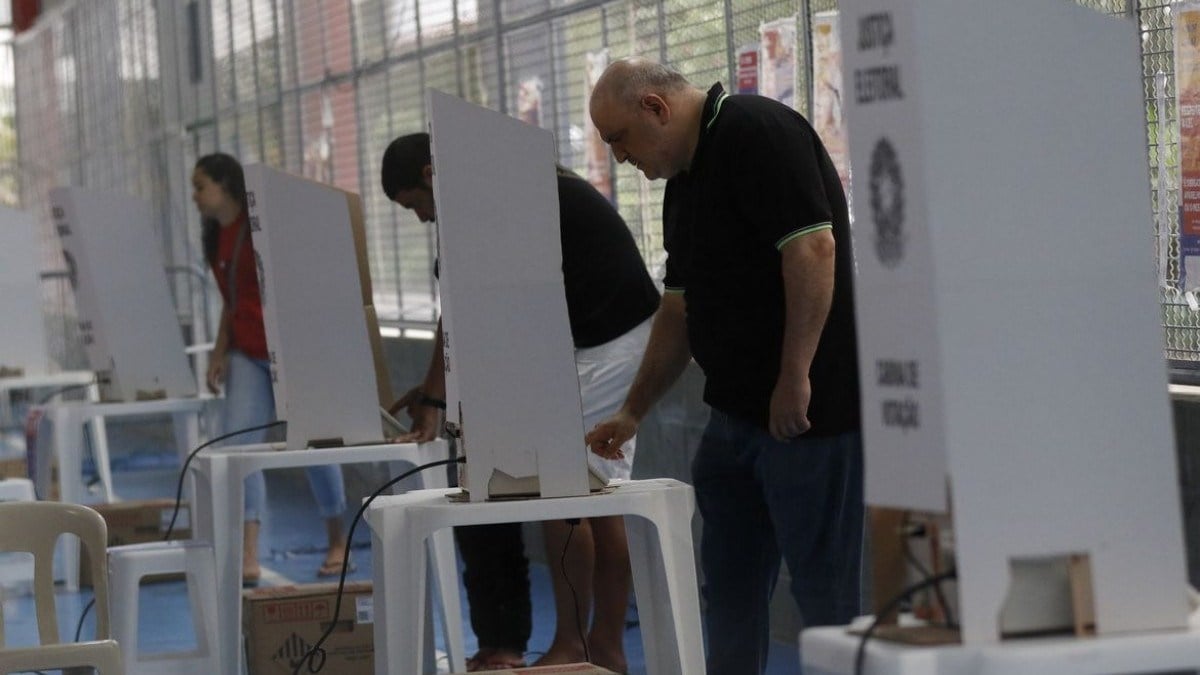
758,290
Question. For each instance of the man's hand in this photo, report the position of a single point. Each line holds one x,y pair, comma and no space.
427,420
789,408
217,365
608,437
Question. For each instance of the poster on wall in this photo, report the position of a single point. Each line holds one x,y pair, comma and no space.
529,101
1187,87
777,60
595,151
747,70
827,92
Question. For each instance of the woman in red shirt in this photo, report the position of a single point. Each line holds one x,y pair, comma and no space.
239,359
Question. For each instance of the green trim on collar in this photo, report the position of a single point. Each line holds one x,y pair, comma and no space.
801,232
670,289
716,110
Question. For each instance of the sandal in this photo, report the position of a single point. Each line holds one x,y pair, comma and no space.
334,569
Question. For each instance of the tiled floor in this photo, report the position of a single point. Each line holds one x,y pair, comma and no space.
291,552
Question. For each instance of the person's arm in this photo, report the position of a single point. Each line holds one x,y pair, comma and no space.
218,360
420,401
808,266
667,354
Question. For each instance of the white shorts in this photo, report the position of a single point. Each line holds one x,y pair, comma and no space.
605,373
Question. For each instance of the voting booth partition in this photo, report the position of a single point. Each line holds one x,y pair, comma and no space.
1008,320
23,331
127,320
512,389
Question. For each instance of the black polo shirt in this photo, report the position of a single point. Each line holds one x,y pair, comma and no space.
609,291
760,177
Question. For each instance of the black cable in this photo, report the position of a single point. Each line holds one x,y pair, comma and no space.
310,657
860,656
562,562
179,500
192,455
922,570
62,390
82,616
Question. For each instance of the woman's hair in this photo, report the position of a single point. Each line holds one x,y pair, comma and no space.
226,172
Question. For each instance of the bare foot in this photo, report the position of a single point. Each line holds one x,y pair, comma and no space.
495,658
559,654
251,572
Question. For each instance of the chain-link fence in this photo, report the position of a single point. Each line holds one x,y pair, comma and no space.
126,94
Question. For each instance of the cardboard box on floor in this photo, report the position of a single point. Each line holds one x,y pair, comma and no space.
566,669
14,467
281,625
139,522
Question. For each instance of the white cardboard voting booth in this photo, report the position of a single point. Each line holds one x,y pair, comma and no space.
313,310
22,328
126,317
1009,326
511,385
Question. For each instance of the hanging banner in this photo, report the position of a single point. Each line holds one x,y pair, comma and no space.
595,151
827,92
777,59
529,101
1187,87
747,70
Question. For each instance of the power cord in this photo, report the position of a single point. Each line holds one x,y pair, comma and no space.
192,455
573,522
63,390
912,529
861,655
179,500
317,652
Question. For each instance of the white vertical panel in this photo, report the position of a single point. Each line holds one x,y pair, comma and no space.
22,329
128,324
510,366
312,309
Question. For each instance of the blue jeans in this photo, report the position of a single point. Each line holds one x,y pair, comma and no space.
762,499
250,402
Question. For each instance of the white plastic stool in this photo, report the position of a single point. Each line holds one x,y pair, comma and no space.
17,490
126,567
658,524
16,570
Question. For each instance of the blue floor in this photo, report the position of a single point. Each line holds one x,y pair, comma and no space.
291,551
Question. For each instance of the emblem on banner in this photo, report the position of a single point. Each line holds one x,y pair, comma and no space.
887,203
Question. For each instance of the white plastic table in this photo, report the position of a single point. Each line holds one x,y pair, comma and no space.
219,508
658,522
65,443
83,379
831,651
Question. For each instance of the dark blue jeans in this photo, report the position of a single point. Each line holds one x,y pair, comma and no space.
761,500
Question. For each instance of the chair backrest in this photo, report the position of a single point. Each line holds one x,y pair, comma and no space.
34,527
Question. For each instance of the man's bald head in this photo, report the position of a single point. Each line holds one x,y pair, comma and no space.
625,81
648,114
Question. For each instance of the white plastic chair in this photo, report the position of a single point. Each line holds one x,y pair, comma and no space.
34,527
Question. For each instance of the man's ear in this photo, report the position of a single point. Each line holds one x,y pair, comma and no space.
427,175
657,106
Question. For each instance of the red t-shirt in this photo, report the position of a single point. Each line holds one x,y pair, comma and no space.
247,333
